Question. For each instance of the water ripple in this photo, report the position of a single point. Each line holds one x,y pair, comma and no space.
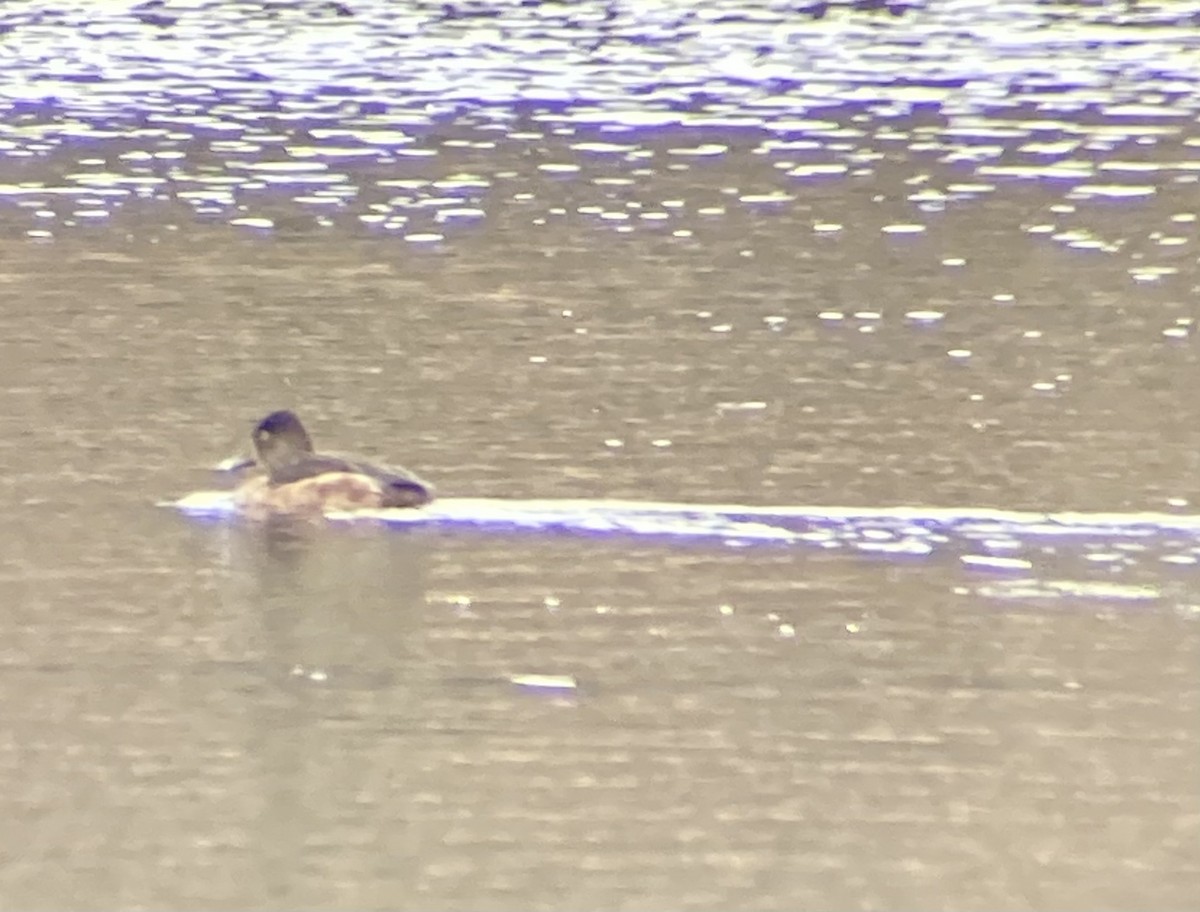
988,540
307,99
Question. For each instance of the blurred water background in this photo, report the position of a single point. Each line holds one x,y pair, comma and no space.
918,255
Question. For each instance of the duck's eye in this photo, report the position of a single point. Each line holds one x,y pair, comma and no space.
263,435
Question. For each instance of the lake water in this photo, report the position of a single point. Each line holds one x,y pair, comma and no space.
929,257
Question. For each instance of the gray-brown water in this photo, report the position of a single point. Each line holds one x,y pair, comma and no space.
943,256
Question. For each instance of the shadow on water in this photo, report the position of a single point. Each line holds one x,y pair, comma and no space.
340,614
328,597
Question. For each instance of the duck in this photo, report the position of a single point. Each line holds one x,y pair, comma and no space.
298,479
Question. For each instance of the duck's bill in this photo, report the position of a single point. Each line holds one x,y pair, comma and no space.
235,464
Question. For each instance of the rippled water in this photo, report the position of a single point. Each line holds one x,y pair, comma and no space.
877,277
393,116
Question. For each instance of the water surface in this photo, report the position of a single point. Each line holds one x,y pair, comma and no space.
939,257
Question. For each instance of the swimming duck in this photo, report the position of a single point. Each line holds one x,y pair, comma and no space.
300,480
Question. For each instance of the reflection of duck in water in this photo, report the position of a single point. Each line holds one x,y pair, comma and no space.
299,480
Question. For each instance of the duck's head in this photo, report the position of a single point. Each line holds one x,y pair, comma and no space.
280,441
